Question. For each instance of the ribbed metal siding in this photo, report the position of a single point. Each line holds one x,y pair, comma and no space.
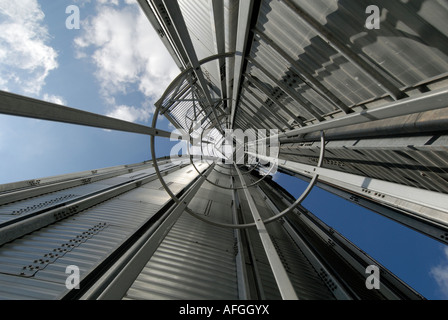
20,209
305,279
296,38
420,166
45,254
37,261
262,98
198,20
16,288
410,44
409,49
281,70
195,260
408,52
29,184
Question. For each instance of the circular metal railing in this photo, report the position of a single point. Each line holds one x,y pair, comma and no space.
159,106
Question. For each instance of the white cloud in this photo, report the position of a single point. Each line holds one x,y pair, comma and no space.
276,176
131,114
54,99
82,3
440,274
25,57
171,126
128,56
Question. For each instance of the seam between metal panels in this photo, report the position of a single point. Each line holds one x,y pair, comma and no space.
41,219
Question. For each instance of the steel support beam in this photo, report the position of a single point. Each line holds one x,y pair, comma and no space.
178,21
242,274
262,120
284,283
354,256
422,210
34,188
29,224
250,119
172,45
230,26
7,189
433,100
358,197
244,18
217,19
421,123
16,105
339,292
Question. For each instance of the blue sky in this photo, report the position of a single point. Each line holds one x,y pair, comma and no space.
416,259
116,65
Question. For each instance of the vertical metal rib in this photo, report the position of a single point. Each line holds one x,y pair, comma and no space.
284,284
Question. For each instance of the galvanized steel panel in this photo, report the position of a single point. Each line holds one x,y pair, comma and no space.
20,209
195,260
261,96
410,44
305,279
420,166
409,49
13,288
295,37
285,72
38,261
198,20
